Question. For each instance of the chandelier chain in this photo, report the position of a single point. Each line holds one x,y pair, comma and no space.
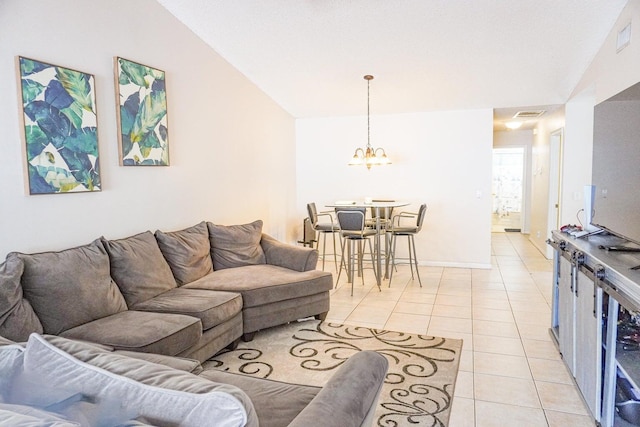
369,156
368,116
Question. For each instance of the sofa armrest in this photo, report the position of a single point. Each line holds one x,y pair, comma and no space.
350,397
289,256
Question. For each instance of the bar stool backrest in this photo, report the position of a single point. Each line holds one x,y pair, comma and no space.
352,219
313,213
421,213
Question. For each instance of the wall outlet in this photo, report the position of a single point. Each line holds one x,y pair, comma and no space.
537,234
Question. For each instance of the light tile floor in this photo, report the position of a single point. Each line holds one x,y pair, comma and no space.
510,371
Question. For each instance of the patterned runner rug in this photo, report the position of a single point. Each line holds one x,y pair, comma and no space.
418,389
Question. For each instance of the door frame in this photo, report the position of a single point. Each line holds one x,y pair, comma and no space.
556,152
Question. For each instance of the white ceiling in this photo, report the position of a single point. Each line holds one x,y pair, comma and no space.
310,56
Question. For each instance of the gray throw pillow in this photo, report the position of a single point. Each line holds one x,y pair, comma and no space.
138,267
17,318
187,252
71,287
236,245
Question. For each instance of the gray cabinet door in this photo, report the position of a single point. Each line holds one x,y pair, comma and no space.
588,333
566,315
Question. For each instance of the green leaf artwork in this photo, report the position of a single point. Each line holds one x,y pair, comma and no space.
142,114
60,128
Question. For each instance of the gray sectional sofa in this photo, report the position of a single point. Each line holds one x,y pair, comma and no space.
187,293
113,333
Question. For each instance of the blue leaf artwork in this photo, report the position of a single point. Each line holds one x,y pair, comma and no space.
60,128
142,114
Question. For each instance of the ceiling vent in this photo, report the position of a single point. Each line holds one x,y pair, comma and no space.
528,114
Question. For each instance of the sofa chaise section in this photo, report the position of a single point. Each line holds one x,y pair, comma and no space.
278,282
271,294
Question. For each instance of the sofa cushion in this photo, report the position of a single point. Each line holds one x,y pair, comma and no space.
212,308
138,267
161,395
187,252
71,287
162,333
236,245
276,403
179,363
263,284
17,318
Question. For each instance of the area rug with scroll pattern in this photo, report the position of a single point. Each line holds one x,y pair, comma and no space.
418,389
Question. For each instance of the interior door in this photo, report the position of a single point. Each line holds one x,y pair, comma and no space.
566,314
588,328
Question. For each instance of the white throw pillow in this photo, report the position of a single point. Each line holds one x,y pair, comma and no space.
54,368
11,357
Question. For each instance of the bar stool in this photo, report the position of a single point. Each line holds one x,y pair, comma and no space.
353,230
324,228
397,229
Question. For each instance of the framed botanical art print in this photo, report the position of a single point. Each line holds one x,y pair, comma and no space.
141,109
60,128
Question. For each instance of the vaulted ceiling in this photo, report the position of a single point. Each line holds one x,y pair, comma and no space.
310,56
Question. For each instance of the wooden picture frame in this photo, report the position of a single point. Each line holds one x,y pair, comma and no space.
141,109
59,124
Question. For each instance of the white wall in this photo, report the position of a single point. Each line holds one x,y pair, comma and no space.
520,138
578,155
232,148
442,159
540,211
609,73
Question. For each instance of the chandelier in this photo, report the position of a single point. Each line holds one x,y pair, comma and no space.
369,156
